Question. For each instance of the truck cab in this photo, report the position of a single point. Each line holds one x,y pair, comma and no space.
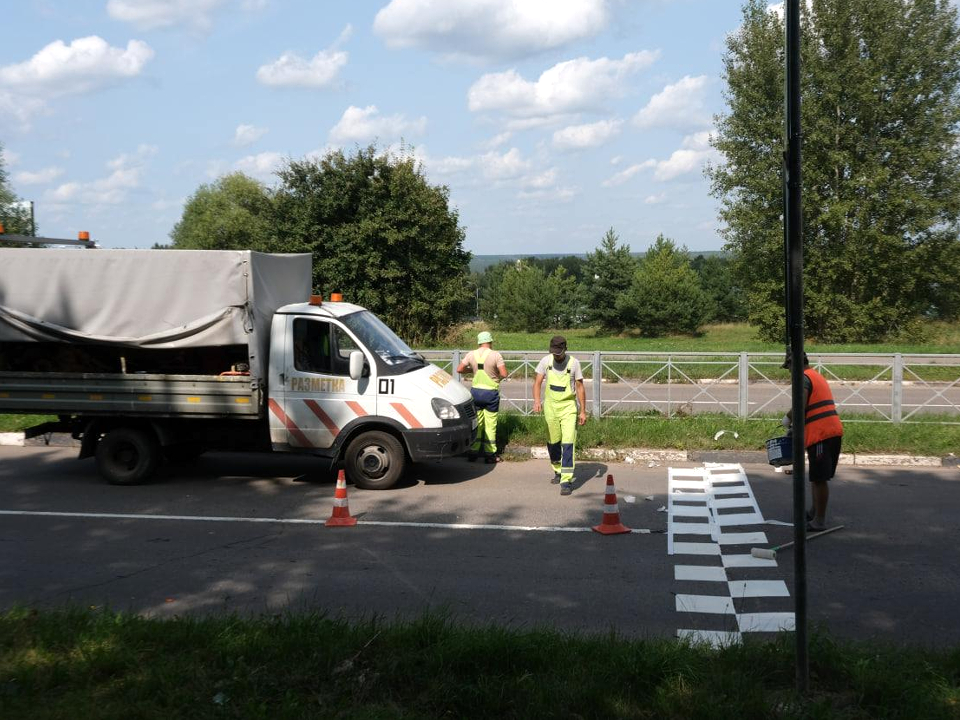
342,385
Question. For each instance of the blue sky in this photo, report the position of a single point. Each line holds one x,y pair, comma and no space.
549,120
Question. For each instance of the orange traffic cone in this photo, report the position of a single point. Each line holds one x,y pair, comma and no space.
341,511
611,524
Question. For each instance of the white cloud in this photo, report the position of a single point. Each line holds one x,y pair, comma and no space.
627,173
154,14
126,173
321,71
579,137
498,140
38,177
655,199
248,134
568,87
506,166
489,29
363,124
85,65
260,166
679,104
694,152
9,157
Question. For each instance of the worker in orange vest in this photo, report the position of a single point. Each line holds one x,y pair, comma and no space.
822,436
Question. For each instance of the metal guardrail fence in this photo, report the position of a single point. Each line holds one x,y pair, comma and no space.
879,387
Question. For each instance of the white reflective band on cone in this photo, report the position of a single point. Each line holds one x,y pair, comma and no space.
339,502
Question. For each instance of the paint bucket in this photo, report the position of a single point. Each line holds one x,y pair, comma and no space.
780,451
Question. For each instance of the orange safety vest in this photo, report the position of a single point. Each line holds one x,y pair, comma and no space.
821,420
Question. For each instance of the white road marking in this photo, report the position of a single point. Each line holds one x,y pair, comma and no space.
701,573
758,588
767,622
302,521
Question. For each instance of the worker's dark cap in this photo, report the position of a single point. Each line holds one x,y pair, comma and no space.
788,360
558,344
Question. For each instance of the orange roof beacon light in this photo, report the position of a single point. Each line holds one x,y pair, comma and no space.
83,235
336,297
316,299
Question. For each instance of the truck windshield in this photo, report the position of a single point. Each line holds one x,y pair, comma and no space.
382,341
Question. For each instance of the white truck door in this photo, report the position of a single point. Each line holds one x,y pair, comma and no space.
319,399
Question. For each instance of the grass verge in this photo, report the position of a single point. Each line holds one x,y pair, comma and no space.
862,434
91,663
697,432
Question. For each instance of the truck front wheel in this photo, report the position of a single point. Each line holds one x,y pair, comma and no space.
127,456
375,460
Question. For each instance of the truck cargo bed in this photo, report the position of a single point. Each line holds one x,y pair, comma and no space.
133,394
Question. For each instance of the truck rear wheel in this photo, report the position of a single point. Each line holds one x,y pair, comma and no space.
127,456
375,460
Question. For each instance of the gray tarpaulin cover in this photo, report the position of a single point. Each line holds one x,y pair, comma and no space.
148,298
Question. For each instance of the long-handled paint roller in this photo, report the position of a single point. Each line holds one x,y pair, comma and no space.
771,553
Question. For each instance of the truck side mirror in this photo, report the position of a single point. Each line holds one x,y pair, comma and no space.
357,363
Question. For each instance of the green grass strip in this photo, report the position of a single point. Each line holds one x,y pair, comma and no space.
78,663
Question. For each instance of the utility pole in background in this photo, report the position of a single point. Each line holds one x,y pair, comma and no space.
793,219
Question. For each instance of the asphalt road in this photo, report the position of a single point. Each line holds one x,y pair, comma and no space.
890,574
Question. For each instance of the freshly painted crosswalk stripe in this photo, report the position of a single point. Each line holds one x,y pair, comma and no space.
727,503
691,511
748,560
685,548
751,538
680,528
758,588
699,573
739,519
707,604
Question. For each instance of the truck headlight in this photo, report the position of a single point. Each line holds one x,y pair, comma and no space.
444,409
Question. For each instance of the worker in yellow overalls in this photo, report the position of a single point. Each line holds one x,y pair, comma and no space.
560,408
488,370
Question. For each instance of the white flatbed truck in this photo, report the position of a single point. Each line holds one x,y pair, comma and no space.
146,355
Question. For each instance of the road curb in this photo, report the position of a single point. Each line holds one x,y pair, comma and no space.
639,456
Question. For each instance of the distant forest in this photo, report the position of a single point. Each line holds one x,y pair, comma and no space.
479,263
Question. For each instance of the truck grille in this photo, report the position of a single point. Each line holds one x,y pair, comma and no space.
467,410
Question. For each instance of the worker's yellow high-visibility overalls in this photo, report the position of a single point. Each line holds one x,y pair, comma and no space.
560,411
486,397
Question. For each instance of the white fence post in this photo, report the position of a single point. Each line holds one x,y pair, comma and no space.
743,386
597,384
896,402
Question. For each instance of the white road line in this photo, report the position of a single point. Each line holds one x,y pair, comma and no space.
302,521
685,548
708,604
702,573
748,560
680,528
758,588
739,519
754,538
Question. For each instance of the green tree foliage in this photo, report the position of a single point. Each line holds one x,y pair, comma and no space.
14,216
380,234
529,300
233,213
725,296
665,295
881,164
608,273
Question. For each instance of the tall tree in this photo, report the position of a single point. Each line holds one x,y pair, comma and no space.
881,164
233,213
13,213
380,234
727,303
665,295
529,300
608,272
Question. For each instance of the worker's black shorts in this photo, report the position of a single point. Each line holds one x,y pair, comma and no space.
822,458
